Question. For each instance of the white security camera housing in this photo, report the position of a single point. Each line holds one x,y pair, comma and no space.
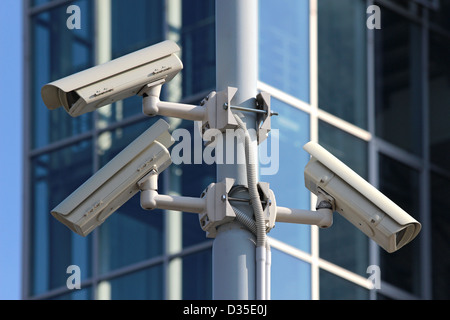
358,201
115,183
115,80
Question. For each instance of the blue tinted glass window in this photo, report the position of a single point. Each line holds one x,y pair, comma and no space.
399,82
135,25
110,143
342,59
142,285
53,246
190,175
85,293
440,16
439,99
400,183
39,2
282,165
130,234
58,52
284,46
440,238
333,287
346,147
343,243
199,49
197,276
195,179
290,277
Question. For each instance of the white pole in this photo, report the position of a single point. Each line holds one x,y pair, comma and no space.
268,268
237,66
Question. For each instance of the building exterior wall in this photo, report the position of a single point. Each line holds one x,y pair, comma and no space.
377,99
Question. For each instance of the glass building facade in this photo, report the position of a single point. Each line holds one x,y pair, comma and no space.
376,98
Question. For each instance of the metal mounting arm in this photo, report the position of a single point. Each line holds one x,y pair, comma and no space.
215,111
323,217
153,106
215,198
151,199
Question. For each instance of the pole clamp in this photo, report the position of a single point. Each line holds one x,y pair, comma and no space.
219,208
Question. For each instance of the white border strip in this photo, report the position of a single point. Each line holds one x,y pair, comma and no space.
284,97
345,126
290,250
323,264
312,110
345,274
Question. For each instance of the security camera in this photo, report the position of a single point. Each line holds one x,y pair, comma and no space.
114,184
116,80
358,201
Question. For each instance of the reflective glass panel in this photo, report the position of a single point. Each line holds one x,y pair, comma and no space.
192,171
343,243
439,93
199,46
440,236
54,247
130,234
82,294
111,142
284,46
142,285
333,287
342,59
441,14
401,184
135,26
290,277
282,161
56,53
399,82
344,146
197,276
190,24
38,2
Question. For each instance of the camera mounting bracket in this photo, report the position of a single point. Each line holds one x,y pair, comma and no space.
215,111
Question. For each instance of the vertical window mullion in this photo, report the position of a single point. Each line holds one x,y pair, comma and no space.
425,212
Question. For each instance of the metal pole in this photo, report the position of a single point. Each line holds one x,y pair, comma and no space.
237,66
